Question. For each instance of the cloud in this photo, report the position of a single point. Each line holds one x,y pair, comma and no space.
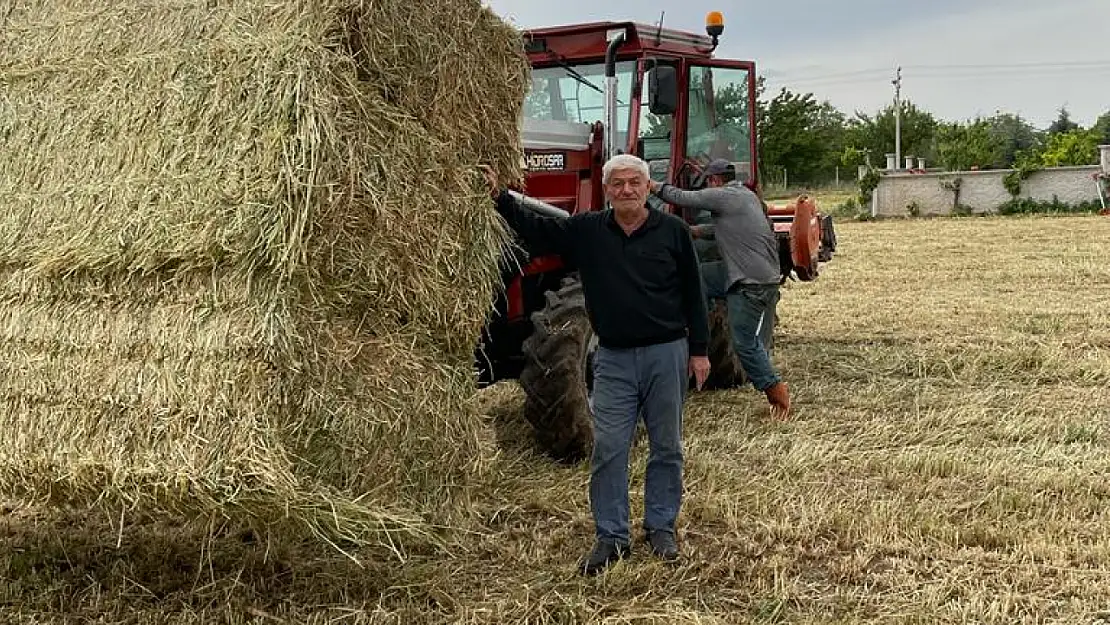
959,65
962,58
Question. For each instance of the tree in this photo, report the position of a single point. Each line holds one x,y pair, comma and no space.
1063,123
1102,129
1013,135
961,147
875,135
1074,148
851,157
829,127
801,135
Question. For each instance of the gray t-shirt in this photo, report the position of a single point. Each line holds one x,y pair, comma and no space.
745,238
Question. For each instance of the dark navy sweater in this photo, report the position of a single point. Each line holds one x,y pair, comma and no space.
641,289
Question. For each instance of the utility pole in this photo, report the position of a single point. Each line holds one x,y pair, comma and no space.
897,82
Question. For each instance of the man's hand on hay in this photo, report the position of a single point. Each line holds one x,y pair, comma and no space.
699,368
491,180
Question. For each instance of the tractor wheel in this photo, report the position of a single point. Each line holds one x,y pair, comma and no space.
828,239
558,374
725,371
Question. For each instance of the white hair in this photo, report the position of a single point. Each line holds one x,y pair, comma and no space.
624,161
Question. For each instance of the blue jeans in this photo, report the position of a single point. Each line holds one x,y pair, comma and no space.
649,381
751,317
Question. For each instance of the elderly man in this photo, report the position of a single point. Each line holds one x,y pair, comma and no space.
749,275
643,290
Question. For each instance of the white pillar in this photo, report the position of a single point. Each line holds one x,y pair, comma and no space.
891,162
1105,149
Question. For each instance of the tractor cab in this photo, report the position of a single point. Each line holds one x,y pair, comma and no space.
611,88
608,88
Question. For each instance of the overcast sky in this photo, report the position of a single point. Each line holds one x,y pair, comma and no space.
960,58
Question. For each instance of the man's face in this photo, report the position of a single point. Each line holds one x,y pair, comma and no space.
627,189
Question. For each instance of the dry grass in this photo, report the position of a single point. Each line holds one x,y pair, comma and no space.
828,198
948,464
245,255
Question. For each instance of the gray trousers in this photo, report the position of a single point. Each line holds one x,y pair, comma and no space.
648,381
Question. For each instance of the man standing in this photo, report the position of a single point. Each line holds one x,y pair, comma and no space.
747,277
646,305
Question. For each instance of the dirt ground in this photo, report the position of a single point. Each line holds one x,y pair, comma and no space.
948,463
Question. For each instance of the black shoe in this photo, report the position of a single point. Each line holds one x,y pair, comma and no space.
605,553
663,544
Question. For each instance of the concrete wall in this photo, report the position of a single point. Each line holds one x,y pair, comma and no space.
981,191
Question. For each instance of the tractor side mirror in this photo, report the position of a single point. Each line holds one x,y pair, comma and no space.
662,90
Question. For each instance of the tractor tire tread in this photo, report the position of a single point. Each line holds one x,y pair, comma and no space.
556,401
725,370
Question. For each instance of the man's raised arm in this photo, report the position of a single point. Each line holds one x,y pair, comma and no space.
541,233
711,199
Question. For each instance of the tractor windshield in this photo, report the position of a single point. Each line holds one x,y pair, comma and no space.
576,94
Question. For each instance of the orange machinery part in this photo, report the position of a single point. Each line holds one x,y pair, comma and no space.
805,234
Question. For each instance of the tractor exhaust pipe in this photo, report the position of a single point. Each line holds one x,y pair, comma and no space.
538,206
611,146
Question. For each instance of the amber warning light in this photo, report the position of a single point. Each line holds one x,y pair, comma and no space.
715,24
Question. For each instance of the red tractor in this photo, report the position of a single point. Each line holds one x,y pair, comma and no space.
598,90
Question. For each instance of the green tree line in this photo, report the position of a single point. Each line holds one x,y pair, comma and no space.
811,140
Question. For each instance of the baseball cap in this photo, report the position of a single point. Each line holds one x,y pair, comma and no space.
716,167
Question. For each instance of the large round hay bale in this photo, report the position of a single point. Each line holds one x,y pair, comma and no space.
243,256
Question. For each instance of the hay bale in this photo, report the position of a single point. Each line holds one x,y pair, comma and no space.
244,257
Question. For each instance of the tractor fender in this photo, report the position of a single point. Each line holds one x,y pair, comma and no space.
805,238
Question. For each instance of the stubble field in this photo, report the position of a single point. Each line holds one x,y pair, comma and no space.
948,462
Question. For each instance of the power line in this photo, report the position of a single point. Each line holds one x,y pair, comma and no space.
838,74
1014,65
836,79
812,73
1011,76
